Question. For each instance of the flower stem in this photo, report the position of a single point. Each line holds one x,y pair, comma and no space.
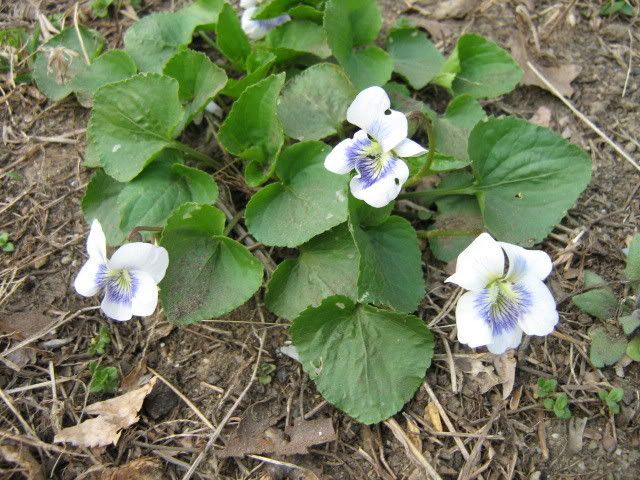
447,233
192,152
426,168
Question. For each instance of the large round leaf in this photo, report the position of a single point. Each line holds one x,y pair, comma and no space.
298,37
307,201
208,274
367,362
526,177
132,121
327,265
313,105
414,56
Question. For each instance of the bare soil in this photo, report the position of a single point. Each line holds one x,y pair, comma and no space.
43,386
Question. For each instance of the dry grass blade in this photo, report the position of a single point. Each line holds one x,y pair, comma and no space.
414,454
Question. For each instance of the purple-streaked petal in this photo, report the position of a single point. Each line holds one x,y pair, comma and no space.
472,329
524,262
479,264
379,189
369,104
339,159
97,242
258,29
409,148
389,130
145,299
542,318
116,310
141,256
90,278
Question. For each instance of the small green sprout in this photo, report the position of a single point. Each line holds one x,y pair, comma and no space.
558,403
612,399
546,387
103,379
265,370
617,6
5,245
100,342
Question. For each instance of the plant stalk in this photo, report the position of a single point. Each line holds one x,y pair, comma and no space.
192,152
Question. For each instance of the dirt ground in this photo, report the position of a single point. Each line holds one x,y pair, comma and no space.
43,386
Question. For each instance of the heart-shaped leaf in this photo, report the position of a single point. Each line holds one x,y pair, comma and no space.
231,39
600,302
259,62
208,274
452,130
110,67
252,130
100,202
367,362
307,201
414,56
298,37
607,347
199,80
632,270
327,265
62,58
526,177
132,121
313,105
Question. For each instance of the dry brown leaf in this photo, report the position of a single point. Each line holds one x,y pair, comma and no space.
23,459
506,369
542,117
432,415
413,432
133,379
560,76
22,325
454,8
143,468
482,376
113,415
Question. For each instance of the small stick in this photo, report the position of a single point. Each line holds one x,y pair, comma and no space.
410,448
80,40
626,80
583,117
7,400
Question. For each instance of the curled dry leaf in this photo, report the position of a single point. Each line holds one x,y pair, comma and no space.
143,468
21,457
432,415
413,432
542,117
482,376
113,415
506,369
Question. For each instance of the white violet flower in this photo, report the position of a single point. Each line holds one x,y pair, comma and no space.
500,306
375,151
258,29
128,280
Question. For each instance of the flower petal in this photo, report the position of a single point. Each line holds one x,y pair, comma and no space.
145,298
252,28
248,3
141,256
383,189
97,242
369,104
479,264
506,340
116,309
90,277
473,330
526,262
214,109
389,129
409,148
543,316
339,161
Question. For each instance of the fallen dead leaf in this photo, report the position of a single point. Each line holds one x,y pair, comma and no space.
256,434
113,415
505,365
432,415
482,376
134,378
542,117
143,468
560,76
454,8
576,434
514,403
23,459
413,432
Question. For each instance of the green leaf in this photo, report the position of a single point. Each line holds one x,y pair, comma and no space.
100,342
259,62
132,121
630,322
632,270
273,8
296,38
231,39
367,362
548,403
208,274
313,105
546,387
615,395
414,56
602,303
154,39
307,201
110,67
482,68
526,177
368,67
100,8
103,379
327,265
561,406
350,24
252,130
456,213
390,264
606,347
163,186
100,202
199,80
61,59
633,348
306,12
617,6
452,130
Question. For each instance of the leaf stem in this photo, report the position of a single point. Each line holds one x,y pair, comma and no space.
192,152
447,233
426,167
